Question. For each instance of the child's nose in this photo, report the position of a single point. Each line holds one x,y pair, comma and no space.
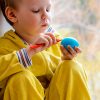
45,15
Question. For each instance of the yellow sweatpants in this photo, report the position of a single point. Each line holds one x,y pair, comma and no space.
68,83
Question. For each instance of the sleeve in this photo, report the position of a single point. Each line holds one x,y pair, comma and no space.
9,64
24,58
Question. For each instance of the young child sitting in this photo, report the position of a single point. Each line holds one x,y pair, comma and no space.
47,72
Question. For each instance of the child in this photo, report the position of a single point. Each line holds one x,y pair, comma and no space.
40,73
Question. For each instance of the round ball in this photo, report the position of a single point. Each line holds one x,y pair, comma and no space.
69,41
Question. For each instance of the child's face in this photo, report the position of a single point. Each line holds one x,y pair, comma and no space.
33,16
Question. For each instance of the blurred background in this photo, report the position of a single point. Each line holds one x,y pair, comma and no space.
79,19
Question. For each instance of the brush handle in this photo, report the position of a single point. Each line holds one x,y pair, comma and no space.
36,45
39,45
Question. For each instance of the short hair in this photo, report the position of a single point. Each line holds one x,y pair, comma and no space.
4,4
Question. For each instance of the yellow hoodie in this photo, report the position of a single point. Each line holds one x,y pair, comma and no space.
69,79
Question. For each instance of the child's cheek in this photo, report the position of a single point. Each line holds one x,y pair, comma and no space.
34,21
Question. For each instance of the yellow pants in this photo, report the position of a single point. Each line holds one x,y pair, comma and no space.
68,83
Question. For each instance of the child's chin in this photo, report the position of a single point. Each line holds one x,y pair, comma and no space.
43,31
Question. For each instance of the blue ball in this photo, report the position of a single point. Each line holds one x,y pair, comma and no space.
69,41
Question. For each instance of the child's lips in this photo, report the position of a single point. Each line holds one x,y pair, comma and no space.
44,25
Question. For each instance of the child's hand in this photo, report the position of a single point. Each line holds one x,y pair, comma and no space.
70,53
47,39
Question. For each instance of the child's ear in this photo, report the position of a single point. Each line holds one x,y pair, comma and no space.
11,14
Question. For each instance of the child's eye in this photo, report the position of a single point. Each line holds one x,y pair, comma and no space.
48,10
35,11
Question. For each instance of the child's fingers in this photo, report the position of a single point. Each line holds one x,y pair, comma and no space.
52,36
63,50
71,50
49,40
45,41
66,54
78,50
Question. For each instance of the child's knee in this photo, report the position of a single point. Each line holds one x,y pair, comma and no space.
70,66
21,78
23,85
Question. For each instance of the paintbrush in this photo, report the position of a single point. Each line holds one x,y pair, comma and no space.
42,44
